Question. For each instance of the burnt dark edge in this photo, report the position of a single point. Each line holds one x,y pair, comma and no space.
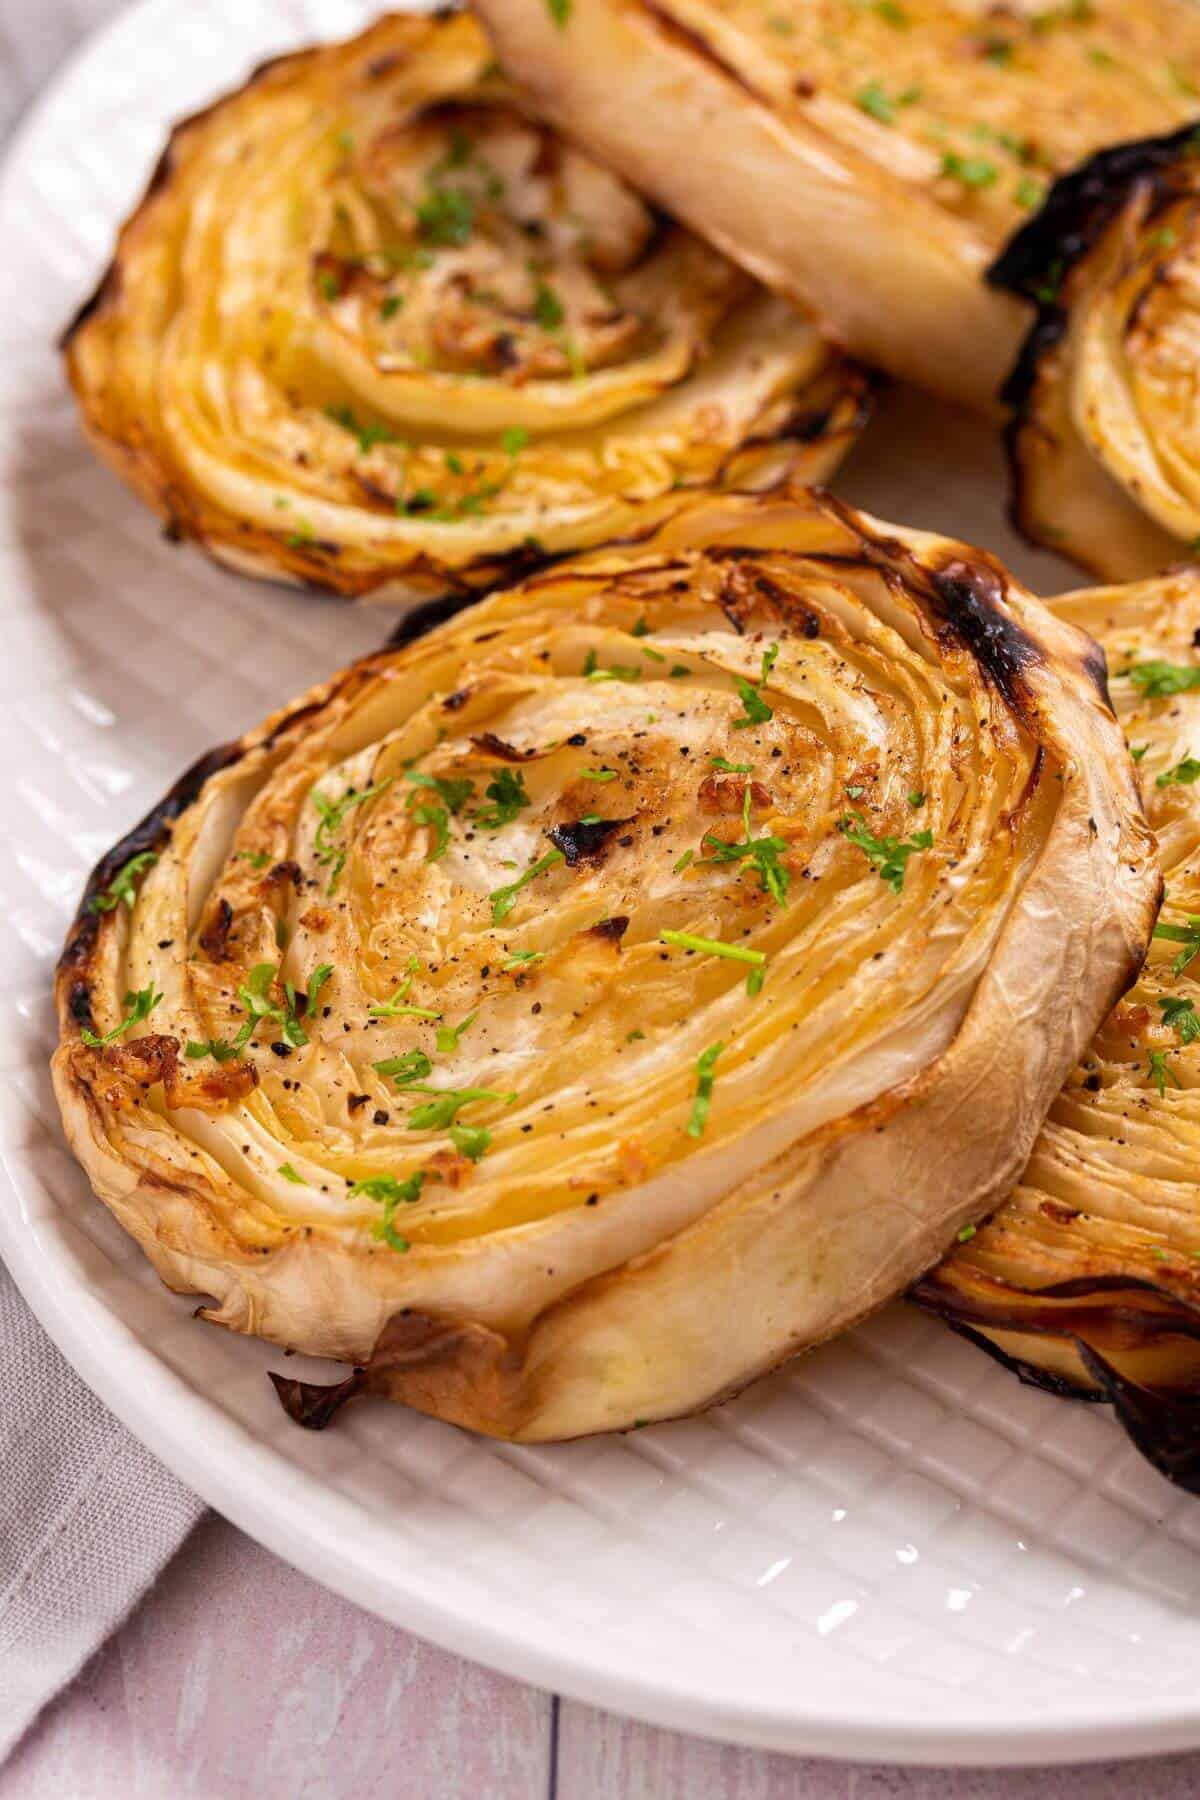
1078,208
1027,1373
1165,1427
310,1404
147,834
584,843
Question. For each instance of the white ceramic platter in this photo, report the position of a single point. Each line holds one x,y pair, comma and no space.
890,1551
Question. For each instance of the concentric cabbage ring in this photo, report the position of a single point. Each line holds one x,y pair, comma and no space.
1088,1279
630,983
376,329
1106,441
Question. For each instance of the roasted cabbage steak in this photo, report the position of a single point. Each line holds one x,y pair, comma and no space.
1088,1279
376,329
635,980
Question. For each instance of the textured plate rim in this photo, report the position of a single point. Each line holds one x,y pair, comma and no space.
285,1508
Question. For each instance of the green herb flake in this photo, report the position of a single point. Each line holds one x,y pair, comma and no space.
121,887
1181,1016
685,940
1160,1072
140,1004
560,12
333,814
368,435
1182,775
967,1233
471,1141
289,1174
1188,935
412,1066
888,855
213,1047
971,171
597,774
503,899
730,768
390,1193
698,1117
441,1112
514,440
688,857
448,1035
506,790
1157,680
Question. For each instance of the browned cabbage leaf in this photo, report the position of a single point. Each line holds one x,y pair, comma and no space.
869,157
377,329
1106,438
1089,1278
624,986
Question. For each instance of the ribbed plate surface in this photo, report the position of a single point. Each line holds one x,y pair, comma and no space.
889,1551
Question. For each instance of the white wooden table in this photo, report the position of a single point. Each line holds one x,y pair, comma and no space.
240,1678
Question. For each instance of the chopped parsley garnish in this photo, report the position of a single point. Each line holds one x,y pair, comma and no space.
730,768
446,216
328,284
875,100
514,440
368,435
972,171
684,940
289,1174
448,1035
471,1140
689,856
519,959
391,1194
258,859
1028,192
854,790
1188,935
597,774
1159,680
506,790
440,1113
390,305
888,855
317,980
1160,1072
404,1070
1181,1016
763,852
560,11
210,1047
916,799
1182,775
254,994
333,815
547,307
141,1004
503,899
435,817
757,712
617,671
698,1117
967,1233
121,887
892,13
1137,751
395,1007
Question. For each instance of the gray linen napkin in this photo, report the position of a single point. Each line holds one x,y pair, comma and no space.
87,1519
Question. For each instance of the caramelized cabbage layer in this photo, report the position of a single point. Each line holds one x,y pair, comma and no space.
377,329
